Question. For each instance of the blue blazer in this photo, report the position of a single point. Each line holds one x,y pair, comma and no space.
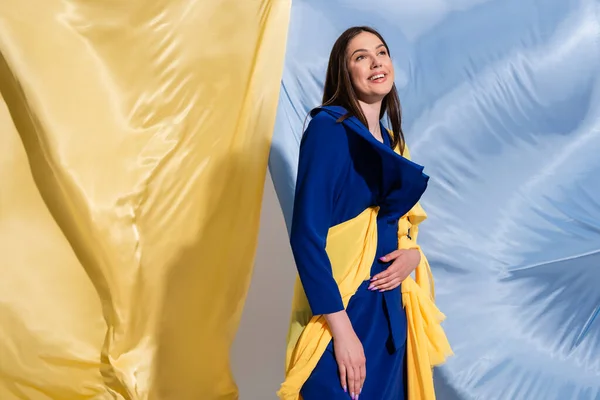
342,171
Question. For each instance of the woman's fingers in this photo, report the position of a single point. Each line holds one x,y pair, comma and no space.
352,382
382,276
391,277
360,374
363,377
390,272
343,381
393,284
355,376
391,256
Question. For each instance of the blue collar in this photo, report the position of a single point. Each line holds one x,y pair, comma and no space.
358,127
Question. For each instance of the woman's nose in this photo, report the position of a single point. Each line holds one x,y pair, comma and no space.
375,64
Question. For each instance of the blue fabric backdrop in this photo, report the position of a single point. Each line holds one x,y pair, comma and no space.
501,104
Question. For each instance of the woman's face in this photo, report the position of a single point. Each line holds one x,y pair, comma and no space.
370,67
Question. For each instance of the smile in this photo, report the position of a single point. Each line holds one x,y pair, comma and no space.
378,78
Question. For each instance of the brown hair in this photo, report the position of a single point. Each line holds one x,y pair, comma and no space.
339,91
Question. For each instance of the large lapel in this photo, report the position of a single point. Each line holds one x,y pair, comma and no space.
404,181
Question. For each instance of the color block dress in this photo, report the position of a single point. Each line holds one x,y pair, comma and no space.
343,170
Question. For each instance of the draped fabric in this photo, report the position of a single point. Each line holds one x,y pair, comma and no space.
309,334
134,139
351,247
501,103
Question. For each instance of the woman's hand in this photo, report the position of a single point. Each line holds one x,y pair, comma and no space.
349,353
405,262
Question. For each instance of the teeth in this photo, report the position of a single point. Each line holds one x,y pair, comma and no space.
376,77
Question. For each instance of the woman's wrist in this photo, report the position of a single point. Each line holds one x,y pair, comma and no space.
416,253
339,323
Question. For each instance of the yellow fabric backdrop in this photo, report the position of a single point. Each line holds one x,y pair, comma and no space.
133,146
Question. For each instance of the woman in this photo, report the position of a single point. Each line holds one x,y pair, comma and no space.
353,238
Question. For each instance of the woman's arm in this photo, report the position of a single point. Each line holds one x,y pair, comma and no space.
324,156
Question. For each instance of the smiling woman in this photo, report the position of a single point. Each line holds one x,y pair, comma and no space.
370,67
360,77
353,237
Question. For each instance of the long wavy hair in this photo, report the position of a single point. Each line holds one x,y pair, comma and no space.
339,90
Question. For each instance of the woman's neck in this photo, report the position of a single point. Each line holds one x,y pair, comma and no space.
371,112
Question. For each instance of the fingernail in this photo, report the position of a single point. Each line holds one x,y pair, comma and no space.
353,396
382,258
345,389
370,287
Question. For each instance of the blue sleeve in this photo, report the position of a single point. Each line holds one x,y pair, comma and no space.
323,158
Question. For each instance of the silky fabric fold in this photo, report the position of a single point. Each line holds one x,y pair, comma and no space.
133,152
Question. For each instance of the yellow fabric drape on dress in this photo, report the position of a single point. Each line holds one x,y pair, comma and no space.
351,247
134,138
